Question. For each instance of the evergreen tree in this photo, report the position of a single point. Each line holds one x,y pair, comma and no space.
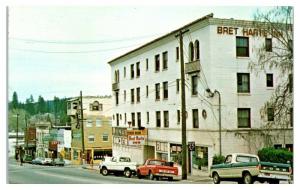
15,102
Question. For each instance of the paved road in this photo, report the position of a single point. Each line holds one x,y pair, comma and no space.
36,174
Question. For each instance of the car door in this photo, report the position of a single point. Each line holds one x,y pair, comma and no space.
225,170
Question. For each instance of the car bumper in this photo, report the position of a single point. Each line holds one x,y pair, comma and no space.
274,176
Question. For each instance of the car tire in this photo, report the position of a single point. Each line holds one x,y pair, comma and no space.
170,178
127,173
247,178
104,171
274,181
216,178
151,176
138,173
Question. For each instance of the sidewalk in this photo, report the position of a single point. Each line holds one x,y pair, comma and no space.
197,175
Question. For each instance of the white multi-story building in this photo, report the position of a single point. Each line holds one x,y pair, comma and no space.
217,52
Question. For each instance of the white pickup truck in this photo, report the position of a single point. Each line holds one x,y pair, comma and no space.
118,165
247,168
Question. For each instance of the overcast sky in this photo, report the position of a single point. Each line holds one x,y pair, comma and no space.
58,51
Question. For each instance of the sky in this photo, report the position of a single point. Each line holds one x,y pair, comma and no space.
60,50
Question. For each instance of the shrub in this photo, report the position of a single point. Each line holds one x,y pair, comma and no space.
218,159
275,155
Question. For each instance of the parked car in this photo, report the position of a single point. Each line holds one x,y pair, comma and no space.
48,161
247,168
38,160
118,165
156,169
58,162
27,158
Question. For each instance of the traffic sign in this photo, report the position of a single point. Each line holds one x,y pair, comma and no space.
191,146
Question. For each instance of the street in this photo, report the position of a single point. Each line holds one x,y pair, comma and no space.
36,174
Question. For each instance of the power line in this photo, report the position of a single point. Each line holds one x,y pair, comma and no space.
88,51
81,42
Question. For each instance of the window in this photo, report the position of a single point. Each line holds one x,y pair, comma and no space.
124,96
246,159
94,106
91,138
291,83
177,85
268,44
178,116
139,119
157,91
147,91
158,119
147,117
270,114
195,85
147,64
138,69
165,60
117,76
177,53
269,80
165,86
191,51
242,46
244,118
89,123
68,105
157,62
133,119
117,115
132,96
137,95
117,97
243,82
98,123
105,137
125,118
166,119
195,118
132,70
124,72
228,159
197,50
75,155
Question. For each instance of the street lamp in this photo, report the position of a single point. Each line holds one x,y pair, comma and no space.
211,94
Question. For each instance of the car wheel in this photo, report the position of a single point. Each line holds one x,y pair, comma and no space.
216,178
170,178
247,178
127,173
104,171
151,176
138,173
274,181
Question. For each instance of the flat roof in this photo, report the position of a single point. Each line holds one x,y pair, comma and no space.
168,34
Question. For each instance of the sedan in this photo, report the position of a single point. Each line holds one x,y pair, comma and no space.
58,162
38,160
47,161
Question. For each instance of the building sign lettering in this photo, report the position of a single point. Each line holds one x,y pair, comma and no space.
247,31
136,139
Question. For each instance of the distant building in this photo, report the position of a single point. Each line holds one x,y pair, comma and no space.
12,141
96,125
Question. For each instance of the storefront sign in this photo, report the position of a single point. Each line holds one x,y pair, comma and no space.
136,139
120,140
175,148
247,31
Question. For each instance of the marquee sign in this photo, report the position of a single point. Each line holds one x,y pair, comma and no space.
247,31
136,139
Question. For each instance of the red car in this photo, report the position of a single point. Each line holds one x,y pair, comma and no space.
155,168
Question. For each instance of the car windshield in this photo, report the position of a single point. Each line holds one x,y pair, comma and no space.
124,159
156,162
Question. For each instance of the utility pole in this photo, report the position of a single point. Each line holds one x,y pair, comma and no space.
220,132
82,130
183,108
26,133
17,139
